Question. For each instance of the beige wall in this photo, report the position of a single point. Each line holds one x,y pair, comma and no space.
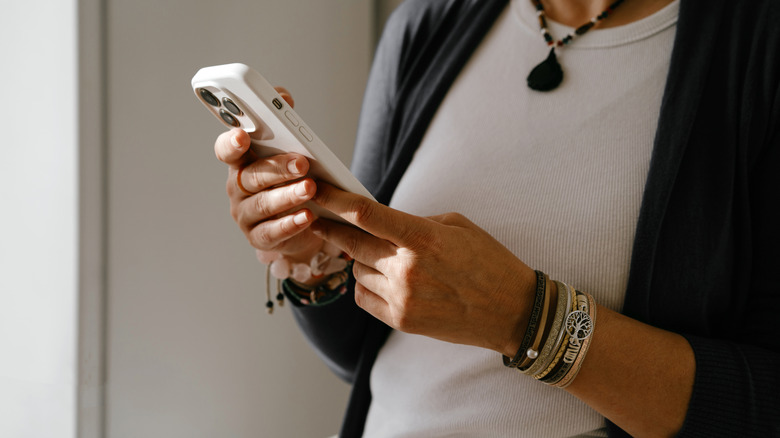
190,350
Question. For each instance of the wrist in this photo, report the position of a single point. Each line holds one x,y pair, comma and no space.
328,289
311,280
558,333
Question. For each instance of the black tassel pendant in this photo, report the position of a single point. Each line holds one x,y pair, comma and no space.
547,75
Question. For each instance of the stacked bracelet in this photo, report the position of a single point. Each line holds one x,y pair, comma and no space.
564,340
328,268
321,295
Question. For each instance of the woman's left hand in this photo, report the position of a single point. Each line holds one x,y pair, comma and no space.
446,278
441,276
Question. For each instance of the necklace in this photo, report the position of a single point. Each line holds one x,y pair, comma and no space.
548,74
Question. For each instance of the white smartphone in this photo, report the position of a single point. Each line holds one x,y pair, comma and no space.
240,97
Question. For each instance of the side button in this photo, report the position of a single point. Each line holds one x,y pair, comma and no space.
291,118
306,133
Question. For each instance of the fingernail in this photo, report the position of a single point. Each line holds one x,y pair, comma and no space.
300,189
292,166
234,142
300,218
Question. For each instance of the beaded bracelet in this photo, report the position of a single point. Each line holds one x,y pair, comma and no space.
533,322
321,295
329,265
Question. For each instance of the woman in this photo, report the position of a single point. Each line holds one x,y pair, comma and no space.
666,218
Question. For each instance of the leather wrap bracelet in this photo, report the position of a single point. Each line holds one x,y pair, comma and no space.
533,322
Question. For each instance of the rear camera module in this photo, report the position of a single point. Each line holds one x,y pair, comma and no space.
232,107
210,98
228,118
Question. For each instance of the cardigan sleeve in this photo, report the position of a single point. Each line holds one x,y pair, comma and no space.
737,384
706,256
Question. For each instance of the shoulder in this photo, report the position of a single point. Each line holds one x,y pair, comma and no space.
746,18
420,28
415,13
416,20
743,37
743,68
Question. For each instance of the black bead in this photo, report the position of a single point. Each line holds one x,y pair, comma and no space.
547,75
584,28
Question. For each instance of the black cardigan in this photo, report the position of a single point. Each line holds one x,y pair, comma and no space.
707,241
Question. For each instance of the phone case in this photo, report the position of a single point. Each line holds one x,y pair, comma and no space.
240,97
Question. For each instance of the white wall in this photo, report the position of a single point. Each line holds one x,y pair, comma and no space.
190,350
38,219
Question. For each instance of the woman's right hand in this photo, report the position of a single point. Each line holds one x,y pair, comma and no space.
260,211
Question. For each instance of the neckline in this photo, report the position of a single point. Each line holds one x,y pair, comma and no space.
525,13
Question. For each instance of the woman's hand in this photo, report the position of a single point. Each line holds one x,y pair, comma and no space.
446,278
258,206
442,276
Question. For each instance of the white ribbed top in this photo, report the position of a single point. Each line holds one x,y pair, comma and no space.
556,177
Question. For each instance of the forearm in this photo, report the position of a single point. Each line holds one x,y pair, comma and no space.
637,376
336,332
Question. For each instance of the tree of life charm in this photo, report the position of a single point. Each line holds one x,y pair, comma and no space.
579,325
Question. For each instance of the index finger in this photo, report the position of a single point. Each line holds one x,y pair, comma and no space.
377,219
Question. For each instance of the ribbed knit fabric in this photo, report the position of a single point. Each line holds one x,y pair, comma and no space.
556,177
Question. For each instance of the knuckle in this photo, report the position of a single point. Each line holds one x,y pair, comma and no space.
260,205
260,238
290,196
452,218
408,273
351,245
256,178
323,196
219,152
362,211
287,226
230,185
219,149
235,212
242,221
360,296
423,243
357,270
403,311
403,321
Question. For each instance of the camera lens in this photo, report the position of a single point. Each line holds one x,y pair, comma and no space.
228,118
232,107
209,97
